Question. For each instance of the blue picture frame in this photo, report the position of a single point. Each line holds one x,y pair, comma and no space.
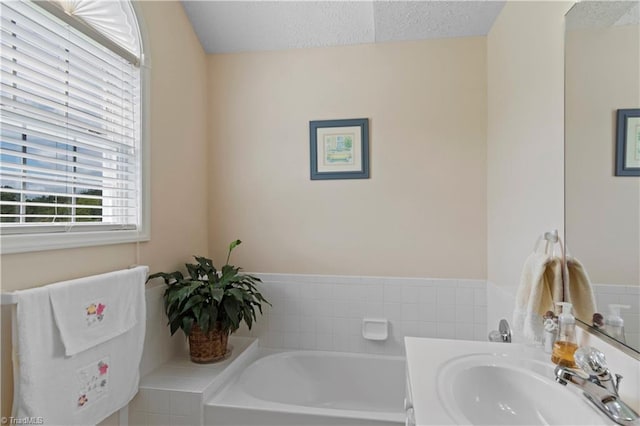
339,149
623,141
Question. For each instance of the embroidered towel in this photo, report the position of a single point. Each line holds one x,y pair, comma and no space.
540,287
82,389
92,310
579,291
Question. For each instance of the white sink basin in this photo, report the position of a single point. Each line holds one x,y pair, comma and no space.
490,389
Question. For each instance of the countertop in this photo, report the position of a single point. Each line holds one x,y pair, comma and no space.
425,358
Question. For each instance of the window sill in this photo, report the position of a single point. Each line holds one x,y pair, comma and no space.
25,243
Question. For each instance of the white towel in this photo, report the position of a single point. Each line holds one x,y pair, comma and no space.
578,291
82,389
540,287
92,310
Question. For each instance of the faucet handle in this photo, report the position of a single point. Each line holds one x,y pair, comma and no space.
618,380
591,360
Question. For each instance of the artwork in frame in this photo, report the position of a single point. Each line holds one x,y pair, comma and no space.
628,142
339,149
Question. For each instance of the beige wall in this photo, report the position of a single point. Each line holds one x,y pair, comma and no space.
524,133
179,162
603,210
422,212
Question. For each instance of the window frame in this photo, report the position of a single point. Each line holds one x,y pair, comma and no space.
59,239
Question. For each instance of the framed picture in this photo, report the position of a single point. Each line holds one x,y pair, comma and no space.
339,149
628,143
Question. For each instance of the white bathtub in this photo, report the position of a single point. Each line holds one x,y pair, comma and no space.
313,388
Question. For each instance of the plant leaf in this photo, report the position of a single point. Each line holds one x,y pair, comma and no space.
187,323
217,294
174,325
169,278
193,271
213,315
232,311
191,303
237,294
247,317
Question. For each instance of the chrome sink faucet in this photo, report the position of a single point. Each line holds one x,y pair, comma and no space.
598,385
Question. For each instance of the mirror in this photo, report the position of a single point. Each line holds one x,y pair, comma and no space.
602,209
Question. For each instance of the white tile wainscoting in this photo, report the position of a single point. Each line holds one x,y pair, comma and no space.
324,312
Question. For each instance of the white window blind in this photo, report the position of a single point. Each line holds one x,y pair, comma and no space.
70,151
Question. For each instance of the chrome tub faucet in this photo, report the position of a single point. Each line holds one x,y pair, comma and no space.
503,334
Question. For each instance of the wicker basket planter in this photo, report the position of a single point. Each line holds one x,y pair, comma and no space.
212,300
210,347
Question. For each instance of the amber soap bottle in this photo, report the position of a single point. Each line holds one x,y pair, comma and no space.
565,344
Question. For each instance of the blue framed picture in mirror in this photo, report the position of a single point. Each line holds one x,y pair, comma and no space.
628,142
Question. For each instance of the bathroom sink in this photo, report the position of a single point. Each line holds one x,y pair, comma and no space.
483,389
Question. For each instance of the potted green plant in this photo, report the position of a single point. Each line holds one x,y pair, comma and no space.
210,304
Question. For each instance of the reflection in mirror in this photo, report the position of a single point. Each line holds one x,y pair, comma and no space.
602,210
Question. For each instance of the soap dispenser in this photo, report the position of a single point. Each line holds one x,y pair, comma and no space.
614,324
565,344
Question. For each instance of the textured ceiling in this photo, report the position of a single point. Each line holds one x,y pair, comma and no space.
603,14
241,26
418,20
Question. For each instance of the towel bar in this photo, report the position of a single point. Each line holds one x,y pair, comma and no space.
551,236
8,299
